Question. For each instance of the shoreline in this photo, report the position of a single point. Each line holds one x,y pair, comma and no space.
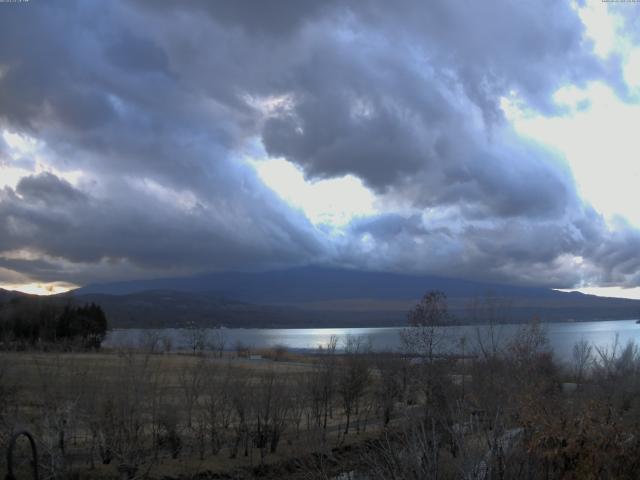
384,327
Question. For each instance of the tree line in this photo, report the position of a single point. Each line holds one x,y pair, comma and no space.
28,323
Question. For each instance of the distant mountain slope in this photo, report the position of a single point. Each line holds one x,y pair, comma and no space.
322,297
6,295
312,284
171,308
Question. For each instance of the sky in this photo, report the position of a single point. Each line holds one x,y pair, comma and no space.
491,141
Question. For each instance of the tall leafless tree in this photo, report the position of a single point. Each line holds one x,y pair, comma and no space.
353,376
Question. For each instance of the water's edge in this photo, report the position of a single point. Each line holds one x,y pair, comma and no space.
562,335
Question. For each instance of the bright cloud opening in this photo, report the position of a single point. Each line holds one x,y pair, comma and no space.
600,26
26,155
37,288
333,202
599,138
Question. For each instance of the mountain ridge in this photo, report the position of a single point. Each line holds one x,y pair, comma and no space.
331,297
319,283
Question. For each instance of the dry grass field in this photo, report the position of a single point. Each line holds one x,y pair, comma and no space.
175,414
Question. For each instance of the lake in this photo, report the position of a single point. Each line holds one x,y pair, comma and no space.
562,336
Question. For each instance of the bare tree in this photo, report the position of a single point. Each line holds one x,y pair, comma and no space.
489,314
316,460
191,379
168,430
61,390
426,340
240,399
323,382
217,341
8,403
605,360
167,343
582,356
242,350
157,380
389,385
279,352
149,341
425,336
218,404
353,377
529,343
122,415
413,454
195,338
270,410
299,395
529,361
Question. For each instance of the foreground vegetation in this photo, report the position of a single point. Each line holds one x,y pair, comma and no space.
508,411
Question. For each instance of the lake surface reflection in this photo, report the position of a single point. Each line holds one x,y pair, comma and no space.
562,336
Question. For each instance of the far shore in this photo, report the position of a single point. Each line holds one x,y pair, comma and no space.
376,326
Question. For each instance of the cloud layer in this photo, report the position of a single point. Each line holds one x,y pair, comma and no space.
144,112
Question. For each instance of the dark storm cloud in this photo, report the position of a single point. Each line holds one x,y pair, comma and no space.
141,229
417,107
557,252
156,102
277,17
496,47
137,55
508,249
49,189
491,179
617,255
111,106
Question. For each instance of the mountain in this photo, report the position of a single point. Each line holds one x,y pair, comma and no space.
172,308
6,295
329,297
312,284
